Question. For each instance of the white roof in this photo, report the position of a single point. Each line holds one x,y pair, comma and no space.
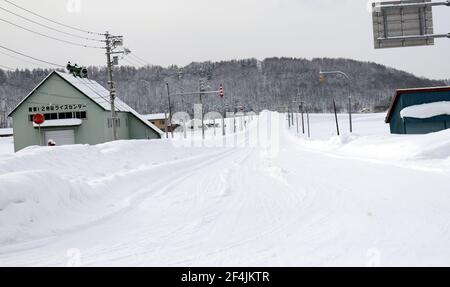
424,111
94,91
60,123
151,117
100,95
6,132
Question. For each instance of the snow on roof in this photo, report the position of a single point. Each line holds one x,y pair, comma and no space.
60,123
94,91
151,117
411,91
100,95
424,111
6,132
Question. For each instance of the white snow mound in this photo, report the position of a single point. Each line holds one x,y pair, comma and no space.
425,111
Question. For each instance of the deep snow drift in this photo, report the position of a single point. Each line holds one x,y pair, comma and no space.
370,198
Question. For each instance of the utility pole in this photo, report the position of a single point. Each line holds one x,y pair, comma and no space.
301,110
289,117
200,90
350,112
303,117
112,42
170,109
307,119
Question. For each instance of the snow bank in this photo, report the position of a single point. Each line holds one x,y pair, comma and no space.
6,146
44,191
38,203
426,110
414,150
6,132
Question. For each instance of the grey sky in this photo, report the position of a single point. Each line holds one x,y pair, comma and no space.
166,32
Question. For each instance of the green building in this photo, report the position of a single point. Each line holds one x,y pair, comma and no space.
77,111
419,111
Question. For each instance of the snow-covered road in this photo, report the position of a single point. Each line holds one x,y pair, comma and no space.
316,203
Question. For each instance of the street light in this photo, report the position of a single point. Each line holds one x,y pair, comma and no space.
322,80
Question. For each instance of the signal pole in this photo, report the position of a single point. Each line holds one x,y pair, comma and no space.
170,108
322,79
112,42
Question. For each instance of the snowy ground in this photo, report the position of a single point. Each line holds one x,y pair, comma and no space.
367,199
6,146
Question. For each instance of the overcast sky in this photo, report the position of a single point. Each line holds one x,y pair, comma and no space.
166,32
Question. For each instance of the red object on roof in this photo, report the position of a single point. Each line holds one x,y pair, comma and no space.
221,92
38,119
411,91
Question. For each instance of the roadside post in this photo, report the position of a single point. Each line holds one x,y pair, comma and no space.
39,119
336,117
307,119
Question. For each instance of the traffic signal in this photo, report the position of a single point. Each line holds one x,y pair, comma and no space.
221,92
322,79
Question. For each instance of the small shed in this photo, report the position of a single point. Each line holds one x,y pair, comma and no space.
419,111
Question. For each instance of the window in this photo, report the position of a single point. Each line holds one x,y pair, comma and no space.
110,123
80,115
30,117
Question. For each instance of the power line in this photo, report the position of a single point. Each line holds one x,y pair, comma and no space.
53,21
140,60
19,59
48,27
133,60
50,37
36,59
136,60
128,60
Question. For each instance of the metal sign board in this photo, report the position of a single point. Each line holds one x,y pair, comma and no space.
402,23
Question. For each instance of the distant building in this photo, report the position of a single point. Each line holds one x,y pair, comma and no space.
419,111
160,121
77,111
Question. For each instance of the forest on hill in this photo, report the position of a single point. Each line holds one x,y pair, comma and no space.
273,83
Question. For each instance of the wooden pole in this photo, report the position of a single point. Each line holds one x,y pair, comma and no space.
335,116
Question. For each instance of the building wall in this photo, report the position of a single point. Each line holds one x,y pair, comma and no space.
161,124
122,130
139,130
419,126
423,126
397,124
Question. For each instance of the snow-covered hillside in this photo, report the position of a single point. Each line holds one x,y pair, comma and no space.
370,198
